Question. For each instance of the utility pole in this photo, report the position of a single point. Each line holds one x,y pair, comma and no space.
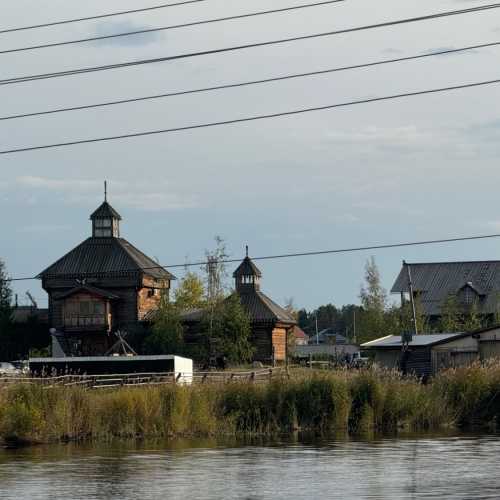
317,333
412,298
354,326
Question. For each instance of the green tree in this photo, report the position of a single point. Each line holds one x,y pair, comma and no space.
451,316
228,328
6,323
167,336
406,317
472,318
190,294
373,320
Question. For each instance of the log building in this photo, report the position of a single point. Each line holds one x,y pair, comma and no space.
271,324
103,285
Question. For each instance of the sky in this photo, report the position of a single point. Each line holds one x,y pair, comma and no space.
405,170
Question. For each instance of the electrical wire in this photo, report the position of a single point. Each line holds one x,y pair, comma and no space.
72,72
100,16
248,119
298,254
171,27
249,83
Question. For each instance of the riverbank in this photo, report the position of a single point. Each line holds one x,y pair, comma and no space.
319,402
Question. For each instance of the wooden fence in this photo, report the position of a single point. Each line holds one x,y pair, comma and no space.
143,379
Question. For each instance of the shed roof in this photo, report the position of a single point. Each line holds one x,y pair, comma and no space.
394,341
22,314
437,280
97,256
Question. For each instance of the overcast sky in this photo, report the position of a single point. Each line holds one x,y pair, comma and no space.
420,168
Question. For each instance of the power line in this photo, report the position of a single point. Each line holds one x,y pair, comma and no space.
44,76
302,254
171,27
249,83
248,119
100,16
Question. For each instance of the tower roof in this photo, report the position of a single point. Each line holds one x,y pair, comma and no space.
105,211
247,268
104,256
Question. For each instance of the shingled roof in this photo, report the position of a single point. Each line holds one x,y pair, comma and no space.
247,268
436,281
105,211
259,306
263,310
97,256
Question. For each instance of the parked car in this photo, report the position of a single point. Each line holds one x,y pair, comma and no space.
358,360
8,369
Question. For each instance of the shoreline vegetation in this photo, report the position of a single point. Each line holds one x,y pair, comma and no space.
340,402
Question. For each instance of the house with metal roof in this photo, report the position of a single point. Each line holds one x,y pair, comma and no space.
475,282
271,324
426,355
103,285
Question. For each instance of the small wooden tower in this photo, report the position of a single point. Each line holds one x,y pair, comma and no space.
105,220
271,324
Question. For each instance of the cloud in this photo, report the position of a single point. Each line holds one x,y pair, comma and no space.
44,228
45,183
141,195
112,28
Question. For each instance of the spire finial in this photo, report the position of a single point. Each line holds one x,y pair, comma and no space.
246,249
105,190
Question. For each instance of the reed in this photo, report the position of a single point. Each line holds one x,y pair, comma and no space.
322,402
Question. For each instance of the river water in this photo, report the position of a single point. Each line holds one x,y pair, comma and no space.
406,468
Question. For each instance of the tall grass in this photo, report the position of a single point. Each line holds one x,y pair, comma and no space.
322,402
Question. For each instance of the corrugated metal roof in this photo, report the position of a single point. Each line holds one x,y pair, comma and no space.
417,341
98,256
436,281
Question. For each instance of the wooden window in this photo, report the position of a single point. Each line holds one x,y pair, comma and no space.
103,223
84,311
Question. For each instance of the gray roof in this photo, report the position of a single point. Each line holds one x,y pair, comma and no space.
247,268
259,306
262,309
436,281
105,211
394,341
22,314
99,256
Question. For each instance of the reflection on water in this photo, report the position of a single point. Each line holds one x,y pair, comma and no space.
411,468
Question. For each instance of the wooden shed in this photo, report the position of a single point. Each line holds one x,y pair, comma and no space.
429,354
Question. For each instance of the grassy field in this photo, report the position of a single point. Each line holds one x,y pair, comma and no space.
321,402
